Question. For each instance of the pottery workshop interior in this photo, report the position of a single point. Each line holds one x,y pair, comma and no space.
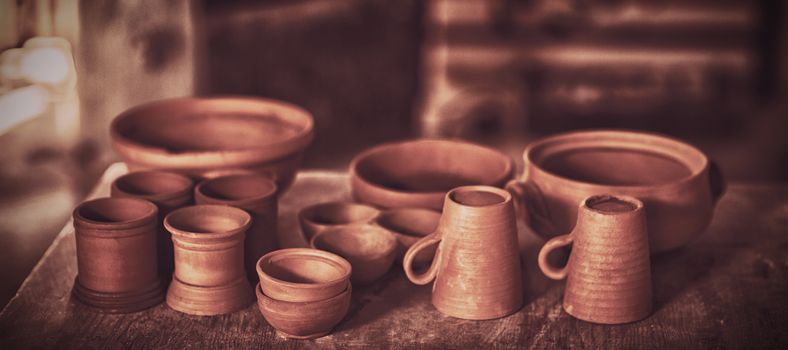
605,174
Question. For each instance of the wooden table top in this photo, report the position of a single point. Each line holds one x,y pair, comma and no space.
727,289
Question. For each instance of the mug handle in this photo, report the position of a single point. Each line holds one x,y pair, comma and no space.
552,244
717,182
407,262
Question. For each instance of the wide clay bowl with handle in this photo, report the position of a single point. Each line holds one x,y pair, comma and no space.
318,217
370,249
418,173
303,274
679,185
304,320
209,137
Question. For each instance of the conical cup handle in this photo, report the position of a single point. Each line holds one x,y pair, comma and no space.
554,243
410,255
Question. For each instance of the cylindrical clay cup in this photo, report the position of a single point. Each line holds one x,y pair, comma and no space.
116,255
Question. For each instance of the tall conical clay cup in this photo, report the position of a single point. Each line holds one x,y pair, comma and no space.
609,272
257,195
476,268
209,274
169,191
116,255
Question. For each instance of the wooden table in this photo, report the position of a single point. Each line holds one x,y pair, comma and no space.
728,289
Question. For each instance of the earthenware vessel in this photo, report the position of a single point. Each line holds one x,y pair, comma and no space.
476,268
116,255
418,173
409,225
370,249
209,274
609,270
303,274
208,137
676,181
304,320
257,195
169,191
318,217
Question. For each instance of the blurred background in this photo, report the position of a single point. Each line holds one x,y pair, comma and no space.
498,72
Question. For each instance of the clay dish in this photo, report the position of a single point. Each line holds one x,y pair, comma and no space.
409,225
303,274
370,249
318,217
418,173
305,320
209,137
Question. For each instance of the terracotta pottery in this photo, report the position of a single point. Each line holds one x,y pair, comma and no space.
169,191
116,255
209,137
303,274
609,271
418,173
304,320
370,249
678,183
209,274
476,269
257,195
409,225
318,217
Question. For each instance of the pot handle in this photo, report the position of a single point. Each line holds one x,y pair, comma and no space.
552,244
529,200
716,181
407,262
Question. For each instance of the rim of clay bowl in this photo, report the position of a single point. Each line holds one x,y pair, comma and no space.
138,151
355,229
387,220
322,255
262,296
83,220
205,191
120,184
689,156
245,220
309,213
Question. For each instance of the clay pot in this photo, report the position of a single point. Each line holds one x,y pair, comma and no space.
304,320
370,249
209,274
210,137
318,217
418,173
169,191
302,274
678,183
609,271
476,269
409,225
116,255
257,195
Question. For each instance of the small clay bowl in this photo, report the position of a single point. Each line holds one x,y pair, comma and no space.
370,249
166,189
306,320
318,217
418,173
409,225
303,274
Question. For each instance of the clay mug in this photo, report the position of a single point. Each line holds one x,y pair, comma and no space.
116,255
609,272
209,276
257,195
318,217
476,268
169,191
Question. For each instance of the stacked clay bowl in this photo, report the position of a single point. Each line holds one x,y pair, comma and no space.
208,137
303,293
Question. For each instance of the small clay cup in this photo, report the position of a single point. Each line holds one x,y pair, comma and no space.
303,274
318,217
169,191
304,320
257,195
370,249
409,225
609,271
116,255
209,274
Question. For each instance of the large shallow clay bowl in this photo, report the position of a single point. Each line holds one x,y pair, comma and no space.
409,225
370,249
304,320
303,274
208,137
676,181
418,173
318,217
